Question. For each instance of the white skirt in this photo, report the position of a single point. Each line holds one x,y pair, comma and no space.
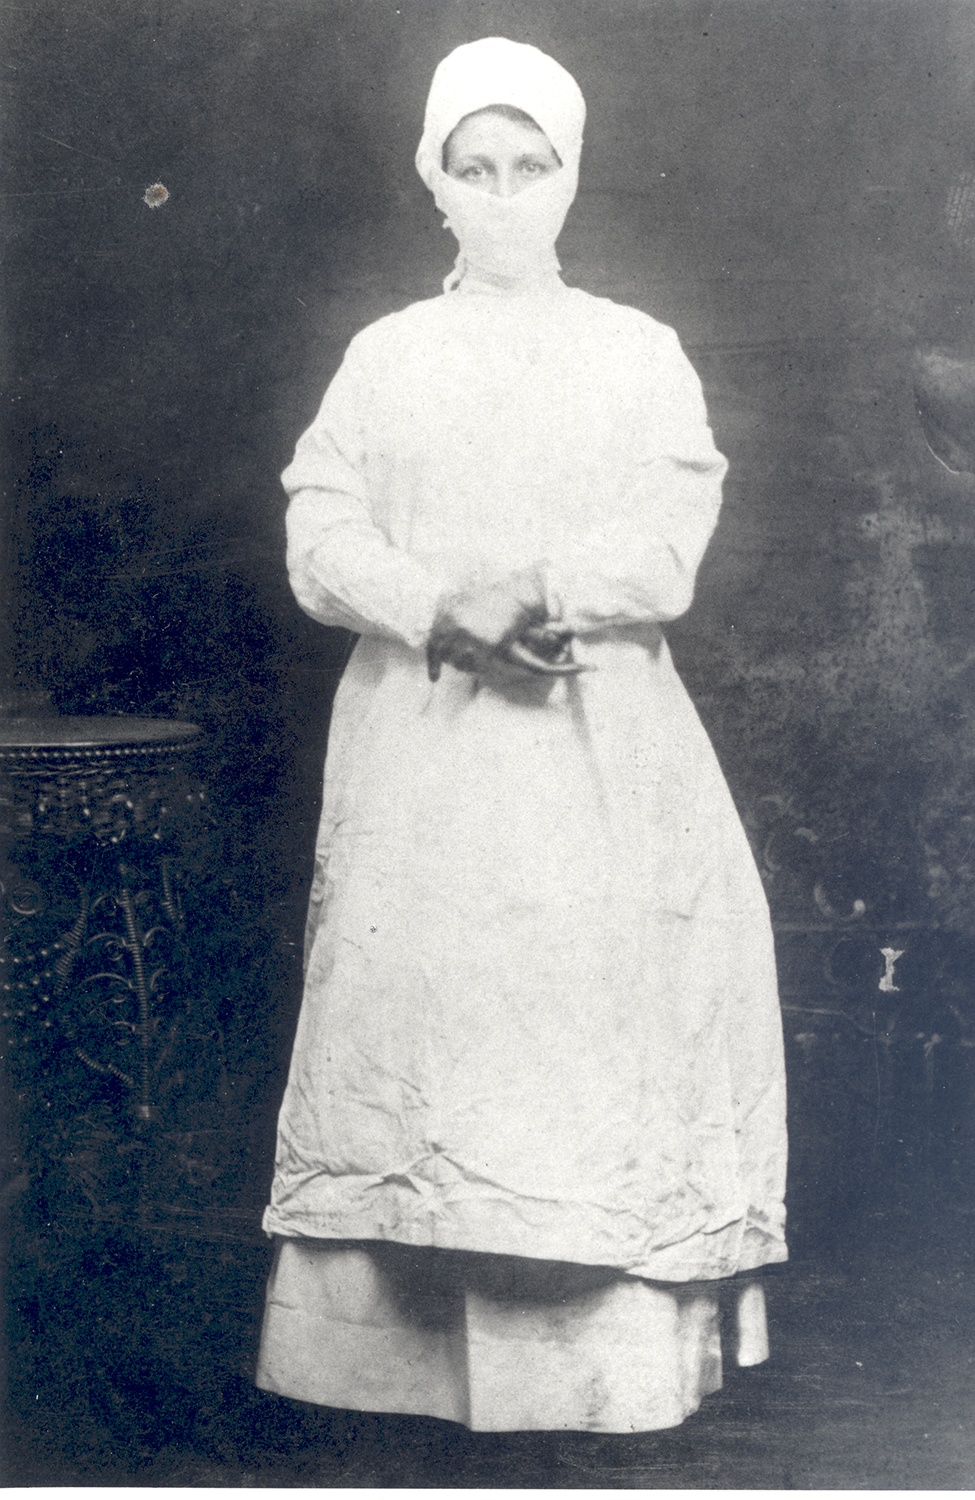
498,1343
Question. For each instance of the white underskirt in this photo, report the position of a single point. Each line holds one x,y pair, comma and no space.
498,1343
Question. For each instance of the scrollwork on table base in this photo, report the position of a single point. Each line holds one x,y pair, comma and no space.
113,1042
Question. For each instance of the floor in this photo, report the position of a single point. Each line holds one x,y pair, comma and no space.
871,1386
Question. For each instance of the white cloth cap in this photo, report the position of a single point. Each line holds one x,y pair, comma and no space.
512,238
497,71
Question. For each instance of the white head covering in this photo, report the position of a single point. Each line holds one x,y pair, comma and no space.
508,237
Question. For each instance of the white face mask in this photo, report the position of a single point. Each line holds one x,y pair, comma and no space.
511,237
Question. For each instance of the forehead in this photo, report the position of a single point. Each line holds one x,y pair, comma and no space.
489,132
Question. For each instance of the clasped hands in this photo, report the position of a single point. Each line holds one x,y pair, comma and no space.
500,630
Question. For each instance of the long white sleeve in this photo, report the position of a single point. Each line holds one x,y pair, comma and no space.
343,568
642,562
400,435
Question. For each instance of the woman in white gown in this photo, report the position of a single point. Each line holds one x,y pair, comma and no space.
535,1113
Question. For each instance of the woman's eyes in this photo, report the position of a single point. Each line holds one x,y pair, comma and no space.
527,168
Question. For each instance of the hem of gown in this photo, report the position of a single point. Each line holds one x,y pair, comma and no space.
702,1256
493,1343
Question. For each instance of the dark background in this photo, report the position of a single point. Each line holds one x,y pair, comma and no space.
792,187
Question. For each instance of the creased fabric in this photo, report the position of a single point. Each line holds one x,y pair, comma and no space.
540,1015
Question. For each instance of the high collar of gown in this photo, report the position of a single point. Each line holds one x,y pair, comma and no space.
477,283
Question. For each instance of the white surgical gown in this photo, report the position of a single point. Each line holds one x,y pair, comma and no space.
540,1016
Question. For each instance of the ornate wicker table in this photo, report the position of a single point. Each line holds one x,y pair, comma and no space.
90,811
113,1039
136,1259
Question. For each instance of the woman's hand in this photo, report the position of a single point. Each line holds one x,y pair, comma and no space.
474,627
543,651
500,630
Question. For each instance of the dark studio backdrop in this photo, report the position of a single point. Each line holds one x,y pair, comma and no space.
792,187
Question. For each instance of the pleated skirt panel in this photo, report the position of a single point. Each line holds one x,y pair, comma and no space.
497,1343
